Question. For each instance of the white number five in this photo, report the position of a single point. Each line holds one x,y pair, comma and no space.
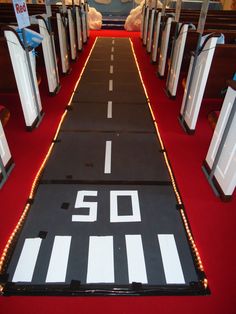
79,203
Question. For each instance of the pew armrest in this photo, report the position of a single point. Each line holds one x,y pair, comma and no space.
232,84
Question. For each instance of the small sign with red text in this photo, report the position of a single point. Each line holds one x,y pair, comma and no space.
21,13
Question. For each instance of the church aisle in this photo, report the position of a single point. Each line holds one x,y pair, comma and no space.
106,217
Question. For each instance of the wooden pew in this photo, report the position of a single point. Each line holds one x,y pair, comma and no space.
182,54
191,42
212,22
222,68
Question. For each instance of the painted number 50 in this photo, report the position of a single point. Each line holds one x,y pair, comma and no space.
114,214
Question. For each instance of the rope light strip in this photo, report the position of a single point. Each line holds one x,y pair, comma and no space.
36,179
182,212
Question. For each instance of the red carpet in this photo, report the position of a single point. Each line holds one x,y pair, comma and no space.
212,221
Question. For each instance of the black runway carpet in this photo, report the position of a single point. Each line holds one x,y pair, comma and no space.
105,219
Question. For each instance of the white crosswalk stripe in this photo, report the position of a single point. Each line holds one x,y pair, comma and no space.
100,260
27,261
59,259
170,258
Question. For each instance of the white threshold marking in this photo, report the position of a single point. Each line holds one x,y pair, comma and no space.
136,262
112,49
59,259
107,165
113,41
110,85
170,258
111,69
109,109
100,260
27,261
112,57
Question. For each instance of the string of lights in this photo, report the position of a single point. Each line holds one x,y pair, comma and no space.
179,201
4,256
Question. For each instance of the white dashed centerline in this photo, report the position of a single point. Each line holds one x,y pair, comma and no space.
109,109
107,165
110,85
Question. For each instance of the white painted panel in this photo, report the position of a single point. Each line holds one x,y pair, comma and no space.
136,262
177,59
164,47
84,23
145,30
4,148
73,47
170,258
114,215
25,267
63,44
150,31
59,259
23,80
49,57
198,85
226,169
100,260
79,30
156,37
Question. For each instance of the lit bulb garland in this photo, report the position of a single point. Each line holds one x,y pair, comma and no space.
17,228
182,212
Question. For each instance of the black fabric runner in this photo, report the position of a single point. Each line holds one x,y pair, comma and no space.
105,218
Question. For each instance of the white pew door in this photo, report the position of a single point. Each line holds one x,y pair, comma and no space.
4,148
23,80
63,44
164,47
225,171
49,55
150,31
84,23
73,47
145,27
156,36
176,63
190,108
79,30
